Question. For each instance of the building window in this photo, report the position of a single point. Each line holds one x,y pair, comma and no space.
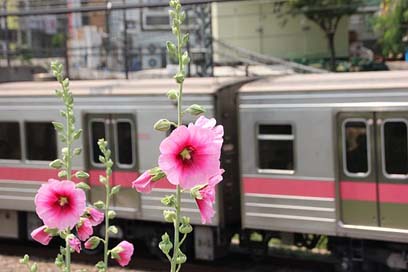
355,158
395,153
124,141
10,145
276,148
98,131
41,141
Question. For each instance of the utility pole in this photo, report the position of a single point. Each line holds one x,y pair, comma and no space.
125,45
6,34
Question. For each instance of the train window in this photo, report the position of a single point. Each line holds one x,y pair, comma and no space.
356,147
395,146
124,141
276,148
10,146
98,131
41,141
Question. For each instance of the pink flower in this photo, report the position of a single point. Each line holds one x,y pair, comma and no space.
84,229
143,184
92,242
123,252
59,204
207,198
74,243
41,236
95,217
191,155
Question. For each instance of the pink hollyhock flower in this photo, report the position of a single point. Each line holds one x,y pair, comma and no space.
206,197
191,155
218,131
95,217
74,243
59,204
145,182
41,236
123,252
84,229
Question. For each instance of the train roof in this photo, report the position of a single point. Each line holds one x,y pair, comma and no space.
330,82
115,87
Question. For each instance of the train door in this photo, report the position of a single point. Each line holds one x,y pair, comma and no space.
120,131
373,184
357,169
392,147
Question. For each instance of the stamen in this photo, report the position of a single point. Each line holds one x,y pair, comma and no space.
63,201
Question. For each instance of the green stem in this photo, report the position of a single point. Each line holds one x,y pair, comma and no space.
178,193
67,254
106,244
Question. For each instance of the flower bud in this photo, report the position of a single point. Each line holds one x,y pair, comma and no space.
169,216
83,186
99,204
162,125
57,164
169,201
185,59
195,109
25,259
172,94
111,214
181,257
179,77
92,242
165,245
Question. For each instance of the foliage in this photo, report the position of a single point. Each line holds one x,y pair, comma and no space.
327,15
391,24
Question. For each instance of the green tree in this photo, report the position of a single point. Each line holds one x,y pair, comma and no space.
391,25
327,15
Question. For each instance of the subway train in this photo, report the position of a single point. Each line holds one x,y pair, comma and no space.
305,156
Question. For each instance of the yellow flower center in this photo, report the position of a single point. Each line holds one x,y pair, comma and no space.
185,154
62,201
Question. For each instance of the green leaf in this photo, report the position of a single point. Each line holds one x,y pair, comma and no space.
83,186
115,189
81,175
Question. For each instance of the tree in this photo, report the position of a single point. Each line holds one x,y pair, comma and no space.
391,24
327,15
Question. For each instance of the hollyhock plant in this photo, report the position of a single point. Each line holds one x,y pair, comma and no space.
95,217
205,197
60,204
190,155
122,253
74,243
84,229
40,235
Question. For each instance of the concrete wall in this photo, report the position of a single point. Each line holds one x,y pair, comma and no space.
255,25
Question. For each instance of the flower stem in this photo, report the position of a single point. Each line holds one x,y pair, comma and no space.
178,192
107,203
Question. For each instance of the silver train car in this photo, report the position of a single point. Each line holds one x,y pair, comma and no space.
304,154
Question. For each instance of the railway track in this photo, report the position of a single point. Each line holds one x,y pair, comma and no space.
146,262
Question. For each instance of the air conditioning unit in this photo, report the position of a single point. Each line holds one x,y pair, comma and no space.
151,61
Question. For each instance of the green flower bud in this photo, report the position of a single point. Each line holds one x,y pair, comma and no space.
62,174
169,216
57,164
34,268
92,242
81,175
115,190
173,94
165,245
181,257
99,204
162,125
58,126
111,214
169,201
179,77
185,59
83,186
25,259
113,229
195,109
103,180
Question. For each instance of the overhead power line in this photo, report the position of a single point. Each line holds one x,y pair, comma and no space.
105,7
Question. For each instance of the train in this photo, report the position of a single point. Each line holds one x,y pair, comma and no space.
305,156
